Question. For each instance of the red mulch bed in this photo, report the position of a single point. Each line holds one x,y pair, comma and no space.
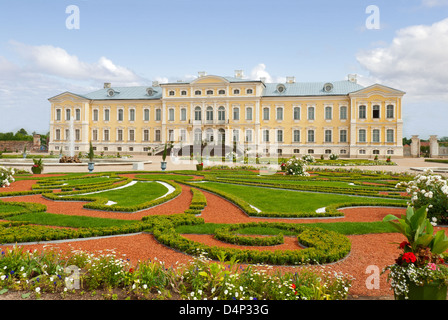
370,249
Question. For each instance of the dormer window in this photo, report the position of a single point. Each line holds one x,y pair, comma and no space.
198,92
249,91
172,93
209,92
222,92
236,91
183,93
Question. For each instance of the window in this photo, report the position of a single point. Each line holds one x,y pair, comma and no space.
328,136
183,93
58,134
209,114
249,91
77,134
119,148
279,135
95,135
362,151
222,92
343,136
280,151
310,135
248,135
236,91
236,113
310,113
266,135
328,113
132,115
198,92
197,136
183,114
343,113
376,112
362,135
131,135
146,135
249,113
209,135
310,151
120,115
106,114
58,114
171,135
265,113
328,151
390,151
158,136
280,114
390,111
296,150
106,148
158,114
197,114
146,115
119,135
376,135
376,151
95,115
170,114
209,92
172,93
296,137
221,114
389,135
67,114
67,134
362,112
296,114
78,114
183,135
343,151
236,135
106,135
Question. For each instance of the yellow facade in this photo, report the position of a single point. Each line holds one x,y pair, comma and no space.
341,117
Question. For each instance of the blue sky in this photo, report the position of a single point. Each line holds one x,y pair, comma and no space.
134,42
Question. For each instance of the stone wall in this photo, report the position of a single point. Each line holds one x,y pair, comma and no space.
13,145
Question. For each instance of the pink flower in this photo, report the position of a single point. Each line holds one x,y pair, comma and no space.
432,266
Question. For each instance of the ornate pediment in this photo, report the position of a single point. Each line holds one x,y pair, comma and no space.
68,96
377,89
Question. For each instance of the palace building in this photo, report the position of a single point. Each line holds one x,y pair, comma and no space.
291,118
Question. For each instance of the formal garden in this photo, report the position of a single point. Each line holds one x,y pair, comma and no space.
302,233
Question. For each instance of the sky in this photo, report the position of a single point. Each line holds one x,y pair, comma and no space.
51,46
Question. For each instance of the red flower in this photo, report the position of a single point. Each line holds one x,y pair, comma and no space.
404,244
131,270
409,257
293,286
441,260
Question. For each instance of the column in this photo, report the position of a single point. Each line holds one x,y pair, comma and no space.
433,147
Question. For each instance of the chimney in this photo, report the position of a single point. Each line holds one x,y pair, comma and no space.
107,85
202,73
353,78
290,79
238,74
155,83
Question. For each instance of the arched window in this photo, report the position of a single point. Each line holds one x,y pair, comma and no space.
221,113
209,114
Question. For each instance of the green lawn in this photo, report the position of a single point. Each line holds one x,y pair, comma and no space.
138,193
272,200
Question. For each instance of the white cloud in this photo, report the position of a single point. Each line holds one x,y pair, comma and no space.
54,61
435,3
259,71
415,62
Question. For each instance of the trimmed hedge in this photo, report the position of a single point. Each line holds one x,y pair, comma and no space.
99,203
227,234
323,247
27,207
